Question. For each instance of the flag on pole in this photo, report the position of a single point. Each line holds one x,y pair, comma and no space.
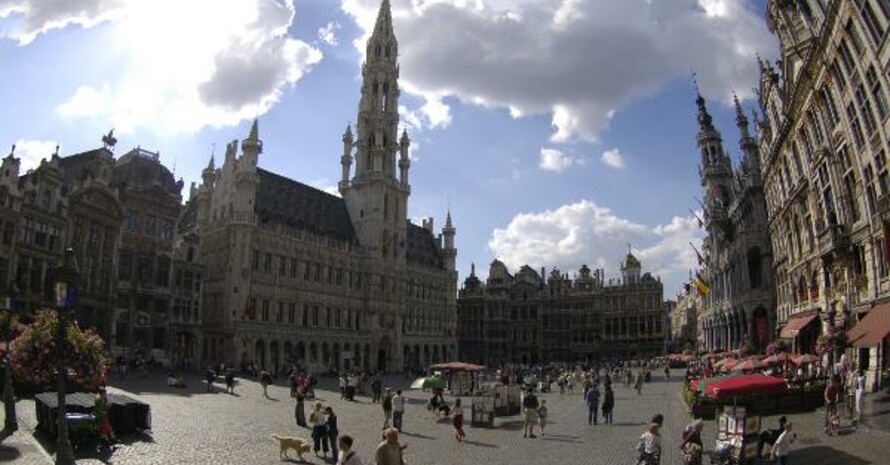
701,260
701,285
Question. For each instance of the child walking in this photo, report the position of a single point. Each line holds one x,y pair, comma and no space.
457,418
542,415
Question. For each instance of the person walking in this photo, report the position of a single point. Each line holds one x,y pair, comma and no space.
692,445
542,415
389,452
638,383
457,420
265,381
386,403
649,445
859,394
608,404
831,398
398,410
332,431
376,386
230,382
300,410
347,455
780,448
530,407
319,435
209,375
592,397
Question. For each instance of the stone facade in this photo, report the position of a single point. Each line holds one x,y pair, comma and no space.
118,216
824,145
296,275
684,320
739,308
527,318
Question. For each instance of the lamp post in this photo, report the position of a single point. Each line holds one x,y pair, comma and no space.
66,295
10,423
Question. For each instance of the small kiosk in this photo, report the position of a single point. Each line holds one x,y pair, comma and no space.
737,432
483,406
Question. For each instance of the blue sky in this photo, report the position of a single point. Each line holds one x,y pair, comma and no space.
558,131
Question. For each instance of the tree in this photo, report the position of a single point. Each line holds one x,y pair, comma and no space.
35,357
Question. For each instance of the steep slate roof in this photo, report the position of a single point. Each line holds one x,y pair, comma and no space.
139,171
74,167
422,248
285,201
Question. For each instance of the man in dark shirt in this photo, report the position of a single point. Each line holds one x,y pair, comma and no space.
530,407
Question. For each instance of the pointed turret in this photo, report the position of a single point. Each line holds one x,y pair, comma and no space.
404,160
448,249
252,147
346,159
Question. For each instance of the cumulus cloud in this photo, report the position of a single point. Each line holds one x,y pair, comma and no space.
613,159
30,152
35,17
586,233
578,61
185,65
328,33
554,160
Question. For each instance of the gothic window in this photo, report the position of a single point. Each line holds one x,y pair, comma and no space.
149,226
870,18
755,268
865,109
265,313
877,92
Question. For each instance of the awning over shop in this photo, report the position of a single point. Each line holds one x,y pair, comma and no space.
795,325
871,330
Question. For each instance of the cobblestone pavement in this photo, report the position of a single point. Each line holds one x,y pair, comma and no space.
194,427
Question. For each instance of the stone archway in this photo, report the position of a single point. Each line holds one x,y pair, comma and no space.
325,356
300,352
274,356
288,352
336,357
366,358
313,353
407,363
384,354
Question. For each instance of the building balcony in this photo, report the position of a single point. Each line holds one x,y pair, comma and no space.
834,241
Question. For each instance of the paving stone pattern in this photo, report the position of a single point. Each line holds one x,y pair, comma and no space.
194,427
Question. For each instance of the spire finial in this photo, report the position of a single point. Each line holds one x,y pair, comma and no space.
12,150
472,269
740,118
254,130
384,20
704,118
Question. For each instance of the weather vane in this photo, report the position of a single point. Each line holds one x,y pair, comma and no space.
109,141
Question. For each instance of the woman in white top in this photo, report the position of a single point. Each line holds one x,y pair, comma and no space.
780,448
859,392
649,446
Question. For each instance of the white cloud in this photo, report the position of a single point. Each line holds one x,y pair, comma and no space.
326,185
585,233
86,101
577,61
30,152
328,33
613,159
184,65
554,160
35,17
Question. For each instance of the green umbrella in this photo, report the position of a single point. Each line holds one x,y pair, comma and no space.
428,383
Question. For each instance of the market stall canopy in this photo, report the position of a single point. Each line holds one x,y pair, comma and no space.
457,366
702,384
744,386
795,325
873,329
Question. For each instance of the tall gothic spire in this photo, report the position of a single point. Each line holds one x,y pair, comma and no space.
740,118
383,27
705,121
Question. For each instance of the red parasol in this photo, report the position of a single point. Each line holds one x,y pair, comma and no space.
806,358
745,385
777,359
751,364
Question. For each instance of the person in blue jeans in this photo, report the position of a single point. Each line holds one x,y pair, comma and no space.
592,397
333,432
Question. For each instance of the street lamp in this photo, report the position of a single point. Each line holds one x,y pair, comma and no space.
67,276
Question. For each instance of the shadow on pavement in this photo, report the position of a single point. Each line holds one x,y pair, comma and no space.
416,435
825,454
482,444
